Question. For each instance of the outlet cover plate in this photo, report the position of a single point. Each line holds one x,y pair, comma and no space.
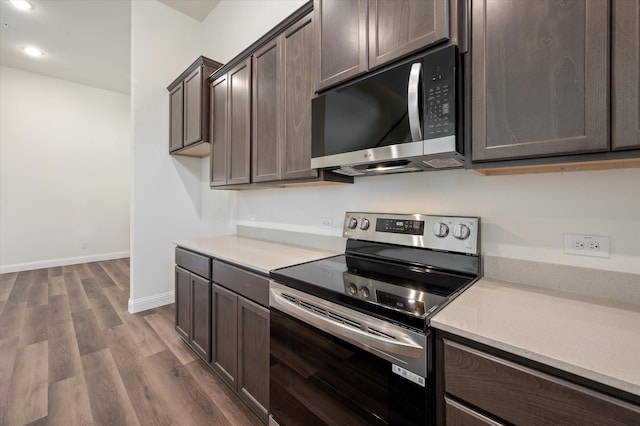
587,245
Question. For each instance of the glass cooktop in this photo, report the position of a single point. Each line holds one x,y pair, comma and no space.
398,292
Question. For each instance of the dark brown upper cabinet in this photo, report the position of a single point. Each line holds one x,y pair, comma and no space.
539,78
189,110
231,122
354,36
281,114
626,75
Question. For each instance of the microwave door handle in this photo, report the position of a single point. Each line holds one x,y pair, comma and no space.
413,109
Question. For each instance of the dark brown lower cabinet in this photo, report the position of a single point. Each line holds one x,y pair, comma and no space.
479,388
193,317
253,356
240,333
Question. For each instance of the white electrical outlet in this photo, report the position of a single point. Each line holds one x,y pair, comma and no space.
83,245
326,222
586,245
252,216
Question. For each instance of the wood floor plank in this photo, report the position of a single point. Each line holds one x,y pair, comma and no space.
27,399
61,412
55,271
83,271
119,277
92,289
78,300
20,289
34,326
59,310
110,404
41,276
170,376
38,294
64,356
88,334
143,335
11,319
234,410
100,275
8,350
119,300
7,281
104,312
149,404
56,285
166,331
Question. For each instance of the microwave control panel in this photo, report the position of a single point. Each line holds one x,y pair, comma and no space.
440,78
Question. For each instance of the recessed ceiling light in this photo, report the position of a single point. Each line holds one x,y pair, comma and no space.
22,4
32,51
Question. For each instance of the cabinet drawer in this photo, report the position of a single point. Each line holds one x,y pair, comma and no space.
458,415
523,396
252,286
197,263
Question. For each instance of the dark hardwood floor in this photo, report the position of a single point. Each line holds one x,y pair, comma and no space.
71,354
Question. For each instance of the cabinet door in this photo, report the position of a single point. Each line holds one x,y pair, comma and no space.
539,78
253,356
218,157
626,74
266,112
239,125
183,302
224,324
297,90
400,27
176,118
341,40
193,107
201,316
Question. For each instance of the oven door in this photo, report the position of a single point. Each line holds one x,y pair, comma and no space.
331,365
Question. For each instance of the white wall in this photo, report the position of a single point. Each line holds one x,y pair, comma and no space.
166,190
523,216
64,172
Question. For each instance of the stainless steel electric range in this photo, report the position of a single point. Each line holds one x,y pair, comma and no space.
350,338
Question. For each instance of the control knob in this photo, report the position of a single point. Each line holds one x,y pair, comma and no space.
352,289
364,291
440,230
352,222
364,224
461,231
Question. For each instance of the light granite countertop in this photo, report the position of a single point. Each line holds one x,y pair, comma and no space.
258,255
591,337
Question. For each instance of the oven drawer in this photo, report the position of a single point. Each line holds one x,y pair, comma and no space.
522,396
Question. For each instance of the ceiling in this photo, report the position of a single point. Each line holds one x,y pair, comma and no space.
84,41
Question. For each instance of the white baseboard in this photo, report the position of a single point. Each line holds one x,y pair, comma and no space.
28,266
150,302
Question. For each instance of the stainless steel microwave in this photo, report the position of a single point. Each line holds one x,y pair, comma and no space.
400,119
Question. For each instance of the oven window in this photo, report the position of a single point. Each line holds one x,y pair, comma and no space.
317,379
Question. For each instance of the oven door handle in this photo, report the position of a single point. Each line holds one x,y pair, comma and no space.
413,107
326,317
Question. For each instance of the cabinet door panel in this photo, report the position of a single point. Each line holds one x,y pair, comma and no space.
176,118
341,40
253,356
183,302
201,316
400,27
459,415
297,90
539,78
218,158
266,113
224,322
193,107
626,74
239,152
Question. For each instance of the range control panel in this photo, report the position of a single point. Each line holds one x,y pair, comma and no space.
459,234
